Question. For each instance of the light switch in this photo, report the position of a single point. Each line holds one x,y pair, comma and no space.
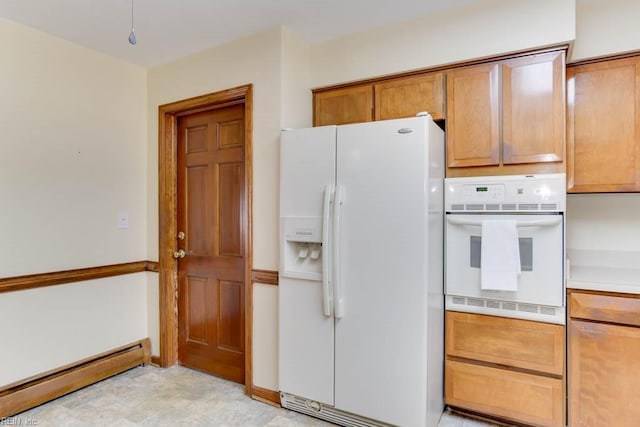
123,220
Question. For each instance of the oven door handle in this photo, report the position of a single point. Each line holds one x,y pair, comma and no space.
533,223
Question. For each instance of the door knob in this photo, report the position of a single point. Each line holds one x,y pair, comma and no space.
180,254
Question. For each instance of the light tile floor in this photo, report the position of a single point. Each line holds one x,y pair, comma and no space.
177,396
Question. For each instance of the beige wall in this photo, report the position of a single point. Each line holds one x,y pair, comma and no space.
480,29
51,327
606,27
603,222
257,60
296,94
73,153
295,112
265,336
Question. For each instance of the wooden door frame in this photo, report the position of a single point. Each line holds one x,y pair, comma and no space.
168,215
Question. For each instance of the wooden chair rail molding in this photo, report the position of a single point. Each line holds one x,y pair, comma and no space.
19,283
268,277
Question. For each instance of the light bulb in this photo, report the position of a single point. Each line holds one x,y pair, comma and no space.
132,34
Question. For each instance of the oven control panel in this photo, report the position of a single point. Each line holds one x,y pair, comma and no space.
483,192
511,193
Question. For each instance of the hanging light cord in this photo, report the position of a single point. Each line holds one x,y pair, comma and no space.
132,34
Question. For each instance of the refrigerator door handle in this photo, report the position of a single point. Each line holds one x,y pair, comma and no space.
326,245
338,301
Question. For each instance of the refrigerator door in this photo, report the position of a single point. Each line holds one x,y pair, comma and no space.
381,332
306,324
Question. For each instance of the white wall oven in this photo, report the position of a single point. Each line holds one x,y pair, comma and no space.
504,246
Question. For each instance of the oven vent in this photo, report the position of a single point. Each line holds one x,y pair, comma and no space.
528,308
528,207
511,306
505,308
475,302
475,207
493,304
512,207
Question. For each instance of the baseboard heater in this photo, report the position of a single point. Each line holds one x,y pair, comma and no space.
36,390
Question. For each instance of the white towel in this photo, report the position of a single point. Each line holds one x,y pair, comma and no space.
499,256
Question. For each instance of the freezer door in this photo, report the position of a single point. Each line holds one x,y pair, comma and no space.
307,165
306,326
306,363
382,276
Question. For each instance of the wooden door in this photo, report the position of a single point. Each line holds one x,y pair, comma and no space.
352,104
533,109
604,369
407,96
473,116
603,147
212,214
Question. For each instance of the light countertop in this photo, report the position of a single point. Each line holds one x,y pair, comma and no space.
608,271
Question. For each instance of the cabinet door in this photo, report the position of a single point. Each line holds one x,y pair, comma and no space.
473,116
343,106
603,375
517,396
533,103
405,97
603,150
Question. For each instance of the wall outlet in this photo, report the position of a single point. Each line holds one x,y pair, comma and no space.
123,220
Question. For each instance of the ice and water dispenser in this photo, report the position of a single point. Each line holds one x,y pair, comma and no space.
302,247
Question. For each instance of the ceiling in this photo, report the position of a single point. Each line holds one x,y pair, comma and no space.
169,29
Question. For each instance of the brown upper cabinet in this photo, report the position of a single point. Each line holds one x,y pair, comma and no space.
603,146
394,98
473,116
408,96
353,104
507,117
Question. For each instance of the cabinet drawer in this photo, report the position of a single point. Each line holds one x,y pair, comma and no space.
511,342
517,396
605,308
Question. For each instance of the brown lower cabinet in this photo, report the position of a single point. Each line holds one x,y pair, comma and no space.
507,368
604,359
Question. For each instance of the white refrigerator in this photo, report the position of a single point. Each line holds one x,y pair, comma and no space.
361,272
